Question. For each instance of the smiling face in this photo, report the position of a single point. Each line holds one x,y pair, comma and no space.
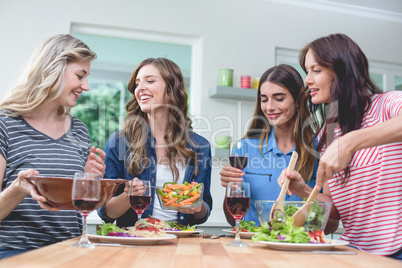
319,79
76,81
277,104
150,88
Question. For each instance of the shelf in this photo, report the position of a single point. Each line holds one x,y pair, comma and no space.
234,93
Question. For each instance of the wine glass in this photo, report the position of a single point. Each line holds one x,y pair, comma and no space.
238,203
140,202
85,195
236,159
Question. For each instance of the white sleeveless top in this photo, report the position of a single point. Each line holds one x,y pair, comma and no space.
164,174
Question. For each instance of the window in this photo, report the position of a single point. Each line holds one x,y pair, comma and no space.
102,109
119,51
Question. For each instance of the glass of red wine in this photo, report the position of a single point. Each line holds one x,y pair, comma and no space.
238,203
85,195
138,201
237,158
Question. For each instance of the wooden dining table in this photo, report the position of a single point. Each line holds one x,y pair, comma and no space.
193,252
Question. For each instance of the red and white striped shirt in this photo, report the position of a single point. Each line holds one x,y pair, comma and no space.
370,205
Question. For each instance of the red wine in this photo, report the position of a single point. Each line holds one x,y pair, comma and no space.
140,203
238,161
238,206
85,205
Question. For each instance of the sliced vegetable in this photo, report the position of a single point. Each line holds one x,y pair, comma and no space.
180,195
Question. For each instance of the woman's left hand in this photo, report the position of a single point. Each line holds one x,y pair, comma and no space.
190,210
96,162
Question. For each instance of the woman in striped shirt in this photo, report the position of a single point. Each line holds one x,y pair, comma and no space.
39,136
360,144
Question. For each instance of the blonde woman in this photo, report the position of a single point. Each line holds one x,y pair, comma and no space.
157,144
39,136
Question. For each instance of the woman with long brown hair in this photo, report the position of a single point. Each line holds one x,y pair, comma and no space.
276,131
157,144
360,144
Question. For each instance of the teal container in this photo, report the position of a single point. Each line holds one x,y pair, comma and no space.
226,77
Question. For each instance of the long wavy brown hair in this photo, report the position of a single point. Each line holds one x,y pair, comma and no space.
136,128
350,92
287,77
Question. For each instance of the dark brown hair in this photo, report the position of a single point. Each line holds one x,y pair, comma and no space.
350,92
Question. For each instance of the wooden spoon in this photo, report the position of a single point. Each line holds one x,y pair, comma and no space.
281,197
299,218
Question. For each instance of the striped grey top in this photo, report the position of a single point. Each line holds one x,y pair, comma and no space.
29,226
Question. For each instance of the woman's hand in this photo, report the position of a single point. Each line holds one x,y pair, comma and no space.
191,210
137,188
29,187
296,186
96,162
229,173
198,213
335,158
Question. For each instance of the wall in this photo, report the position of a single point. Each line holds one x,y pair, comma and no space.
237,34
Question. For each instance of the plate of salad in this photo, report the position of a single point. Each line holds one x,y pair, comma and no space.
131,240
278,231
329,244
180,230
247,229
110,233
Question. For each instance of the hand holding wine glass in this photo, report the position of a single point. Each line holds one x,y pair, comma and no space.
236,158
238,203
85,195
140,197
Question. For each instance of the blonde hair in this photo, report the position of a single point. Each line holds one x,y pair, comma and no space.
43,77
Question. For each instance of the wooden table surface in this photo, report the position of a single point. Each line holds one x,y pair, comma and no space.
191,252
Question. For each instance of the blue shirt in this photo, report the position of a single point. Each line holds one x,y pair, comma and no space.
263,170
116,155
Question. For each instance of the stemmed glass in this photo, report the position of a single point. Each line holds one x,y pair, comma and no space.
85,195
238,203
140,202
237,160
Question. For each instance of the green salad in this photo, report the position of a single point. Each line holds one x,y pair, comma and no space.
247,226
281,229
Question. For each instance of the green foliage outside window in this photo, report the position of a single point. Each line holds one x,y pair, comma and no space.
101,110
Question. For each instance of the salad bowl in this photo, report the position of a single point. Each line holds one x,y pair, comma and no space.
57,190
278,224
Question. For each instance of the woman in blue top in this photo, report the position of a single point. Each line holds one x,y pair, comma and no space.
157,144
277,129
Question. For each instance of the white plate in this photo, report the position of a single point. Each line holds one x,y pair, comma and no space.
244,235
184,233
131,240
304,246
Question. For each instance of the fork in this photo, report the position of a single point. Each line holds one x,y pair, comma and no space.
212,236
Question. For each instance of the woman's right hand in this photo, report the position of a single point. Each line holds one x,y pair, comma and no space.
229,173
29,188
137,187
297,185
